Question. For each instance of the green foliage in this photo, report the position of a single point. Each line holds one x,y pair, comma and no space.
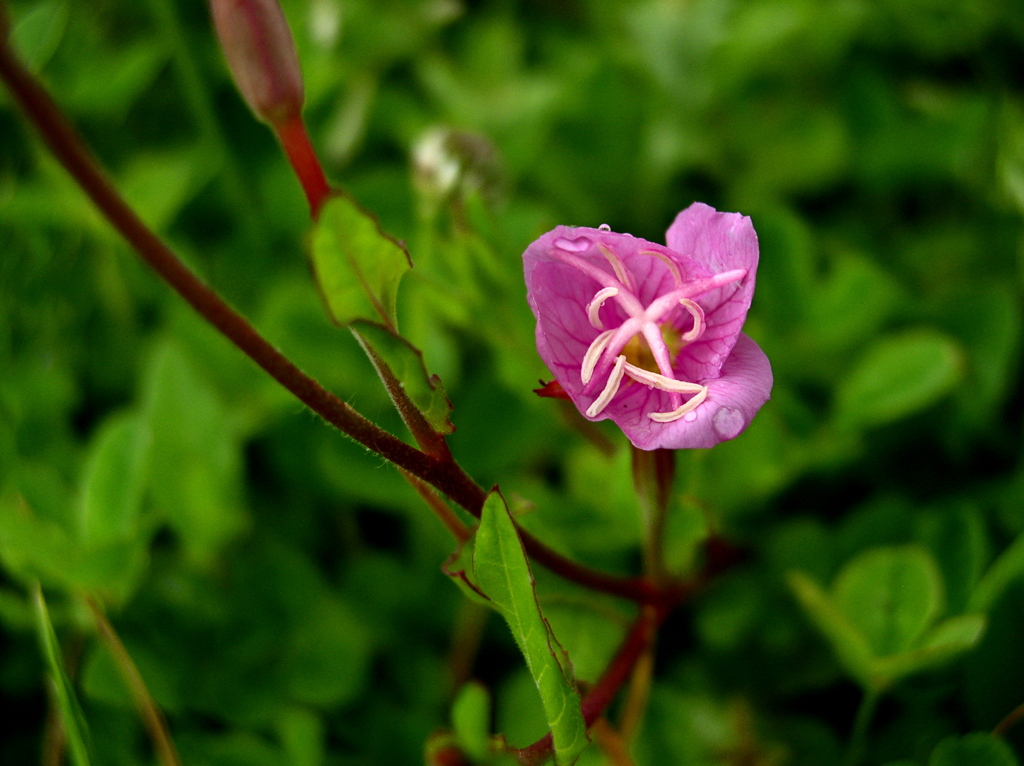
502,574
882,613
358,267
278,586
974,749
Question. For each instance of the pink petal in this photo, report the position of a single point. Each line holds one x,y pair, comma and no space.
720,242
733,400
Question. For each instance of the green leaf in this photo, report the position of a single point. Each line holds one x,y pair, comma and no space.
898,376
196,460
327,656
891,595
948,639
357,266
860,292
850,646
502,571
75,728
1007,568
113,483
471,719
38,32
400,366
977,749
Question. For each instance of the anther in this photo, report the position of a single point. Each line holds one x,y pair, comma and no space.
698,320
618,267
593,354
693,403
610,389
654,380
672,265
594,307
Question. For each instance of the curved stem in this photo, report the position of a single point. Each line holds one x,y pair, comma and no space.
858,737
443,473
167,754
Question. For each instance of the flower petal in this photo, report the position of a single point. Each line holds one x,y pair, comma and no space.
733,400
720,242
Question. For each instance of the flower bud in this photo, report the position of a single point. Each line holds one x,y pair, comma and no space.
261,54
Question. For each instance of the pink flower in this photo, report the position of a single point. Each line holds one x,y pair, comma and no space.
649,335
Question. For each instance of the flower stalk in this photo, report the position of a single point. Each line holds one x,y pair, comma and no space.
260,52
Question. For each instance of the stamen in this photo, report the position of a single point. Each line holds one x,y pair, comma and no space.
664,303
618,267
654,380
610,389
593,354
626,299
672,265
595,305
698,320
693,403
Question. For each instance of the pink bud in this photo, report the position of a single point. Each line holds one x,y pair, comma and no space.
261,55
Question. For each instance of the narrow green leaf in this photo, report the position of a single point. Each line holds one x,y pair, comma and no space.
502,571
113,482
850,646
357,266
75,727
471,719
891,595
400,366
898,376
1009,566
977,749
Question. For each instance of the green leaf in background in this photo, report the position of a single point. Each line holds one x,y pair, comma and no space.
859,291
898,376
850,646
114,480
358,267
891,595
1006,569
503,572
196,460
400,364
471,719
37,33
946,640
977,749
75,728
880,614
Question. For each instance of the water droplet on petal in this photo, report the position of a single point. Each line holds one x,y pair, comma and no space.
728,422
577,245
605,227
690,416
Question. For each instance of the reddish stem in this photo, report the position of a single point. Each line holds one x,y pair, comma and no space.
294,138
441,472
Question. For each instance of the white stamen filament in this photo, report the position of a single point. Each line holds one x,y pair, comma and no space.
618,267
593,354
594,307
672,266
693,403
654,380
698,320
610,389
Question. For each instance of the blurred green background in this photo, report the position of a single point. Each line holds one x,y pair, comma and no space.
279,588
